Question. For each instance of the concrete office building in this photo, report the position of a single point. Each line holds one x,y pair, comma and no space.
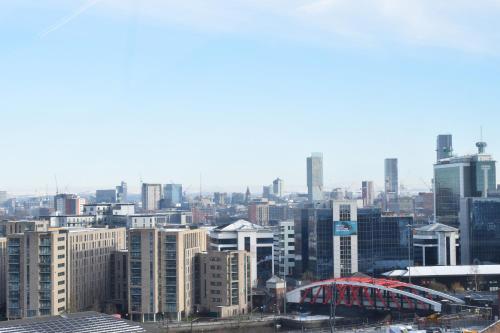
315,177
367,193
245,236
173,195
225,282
435,245
278,187
72,274
3,274
151,196
391,184
444,146
258,212
106,196
284,248
162,271
456,178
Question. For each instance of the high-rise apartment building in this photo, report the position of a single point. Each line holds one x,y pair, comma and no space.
315,177
88,265
444,146
162,272
284,248
122,192
461,177
220,199
68,204
225,282
3,274
173,194
36,275
266,191
151,196
368,193
258,212
391,184
60,270
278,187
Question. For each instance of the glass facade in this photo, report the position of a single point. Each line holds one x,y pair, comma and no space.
301,227
382,241
320,243
451,183
461,178
484,231
481,172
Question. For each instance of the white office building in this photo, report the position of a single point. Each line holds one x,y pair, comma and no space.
246,236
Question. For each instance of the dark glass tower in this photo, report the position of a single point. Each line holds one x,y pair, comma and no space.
461,177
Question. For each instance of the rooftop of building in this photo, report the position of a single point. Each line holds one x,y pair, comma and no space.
240,225
436,227
462,270
84,322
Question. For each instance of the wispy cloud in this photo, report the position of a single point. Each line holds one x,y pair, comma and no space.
67,19
458,24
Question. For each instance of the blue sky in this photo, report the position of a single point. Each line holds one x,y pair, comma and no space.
241,91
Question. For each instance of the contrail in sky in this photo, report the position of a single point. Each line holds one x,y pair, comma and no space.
65,20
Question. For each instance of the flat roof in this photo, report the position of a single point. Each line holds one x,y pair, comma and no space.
460,270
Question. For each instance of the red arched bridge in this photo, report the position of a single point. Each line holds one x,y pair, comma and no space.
371,293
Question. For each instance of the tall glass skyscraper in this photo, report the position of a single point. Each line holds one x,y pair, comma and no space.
444,146
315,177
461,177
391,184
173,194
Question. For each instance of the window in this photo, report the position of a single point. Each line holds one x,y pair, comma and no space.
345,212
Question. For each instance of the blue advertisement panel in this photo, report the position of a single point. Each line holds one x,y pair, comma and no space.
345,228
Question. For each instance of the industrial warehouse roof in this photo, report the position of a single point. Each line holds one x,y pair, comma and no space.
461,270
437,227
83,322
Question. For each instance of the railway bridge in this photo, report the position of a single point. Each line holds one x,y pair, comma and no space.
370,293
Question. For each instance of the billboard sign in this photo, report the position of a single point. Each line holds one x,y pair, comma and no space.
345,228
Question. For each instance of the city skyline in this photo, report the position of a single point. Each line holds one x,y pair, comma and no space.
256,189
207,94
